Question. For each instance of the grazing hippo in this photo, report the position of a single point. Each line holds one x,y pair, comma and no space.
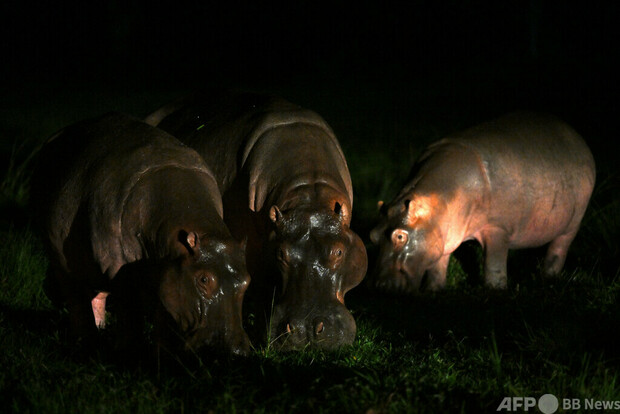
114,194
522,180
286,186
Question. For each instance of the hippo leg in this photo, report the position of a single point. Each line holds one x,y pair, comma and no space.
556,254
436,275
67,292
495,244
98,306
81,317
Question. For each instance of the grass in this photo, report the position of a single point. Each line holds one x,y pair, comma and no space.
22,269
459,350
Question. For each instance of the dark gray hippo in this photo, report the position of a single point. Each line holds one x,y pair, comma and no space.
522,180
115,195
286,187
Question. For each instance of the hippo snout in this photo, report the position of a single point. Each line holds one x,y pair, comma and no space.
300,331
330,328
231,338
393,275
235,343
239,345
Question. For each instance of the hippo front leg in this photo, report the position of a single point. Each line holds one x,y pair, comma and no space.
81,317
66,291
436,274
495,242
98,307
556,254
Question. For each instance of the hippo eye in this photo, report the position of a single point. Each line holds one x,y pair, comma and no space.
399,238
206,284
204,279
336,254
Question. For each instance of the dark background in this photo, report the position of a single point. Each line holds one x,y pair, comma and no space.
388,76
473,58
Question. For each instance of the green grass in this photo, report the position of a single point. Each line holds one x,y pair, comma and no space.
22,270
459,350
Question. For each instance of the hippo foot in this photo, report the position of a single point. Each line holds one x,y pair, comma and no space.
435,284
552,266
496,281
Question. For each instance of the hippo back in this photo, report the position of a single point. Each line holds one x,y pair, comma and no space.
529,155
86,173
225,128
530,144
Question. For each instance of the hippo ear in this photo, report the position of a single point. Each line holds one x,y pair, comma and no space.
342,211
409,208
423,207
275,214
189,240
379,205
375,235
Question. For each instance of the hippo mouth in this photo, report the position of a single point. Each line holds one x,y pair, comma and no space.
399,279
203,341
332,328
189,337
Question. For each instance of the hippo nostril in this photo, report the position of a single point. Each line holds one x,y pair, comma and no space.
241,350
319,328
402,270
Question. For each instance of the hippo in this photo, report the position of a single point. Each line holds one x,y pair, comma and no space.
522,180
114,196
287,189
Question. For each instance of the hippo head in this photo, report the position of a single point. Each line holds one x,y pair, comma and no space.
201,292
409,244
319,260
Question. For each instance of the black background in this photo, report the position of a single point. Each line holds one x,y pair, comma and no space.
480,56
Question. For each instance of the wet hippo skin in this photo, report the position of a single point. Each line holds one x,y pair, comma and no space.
287,188
114,196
